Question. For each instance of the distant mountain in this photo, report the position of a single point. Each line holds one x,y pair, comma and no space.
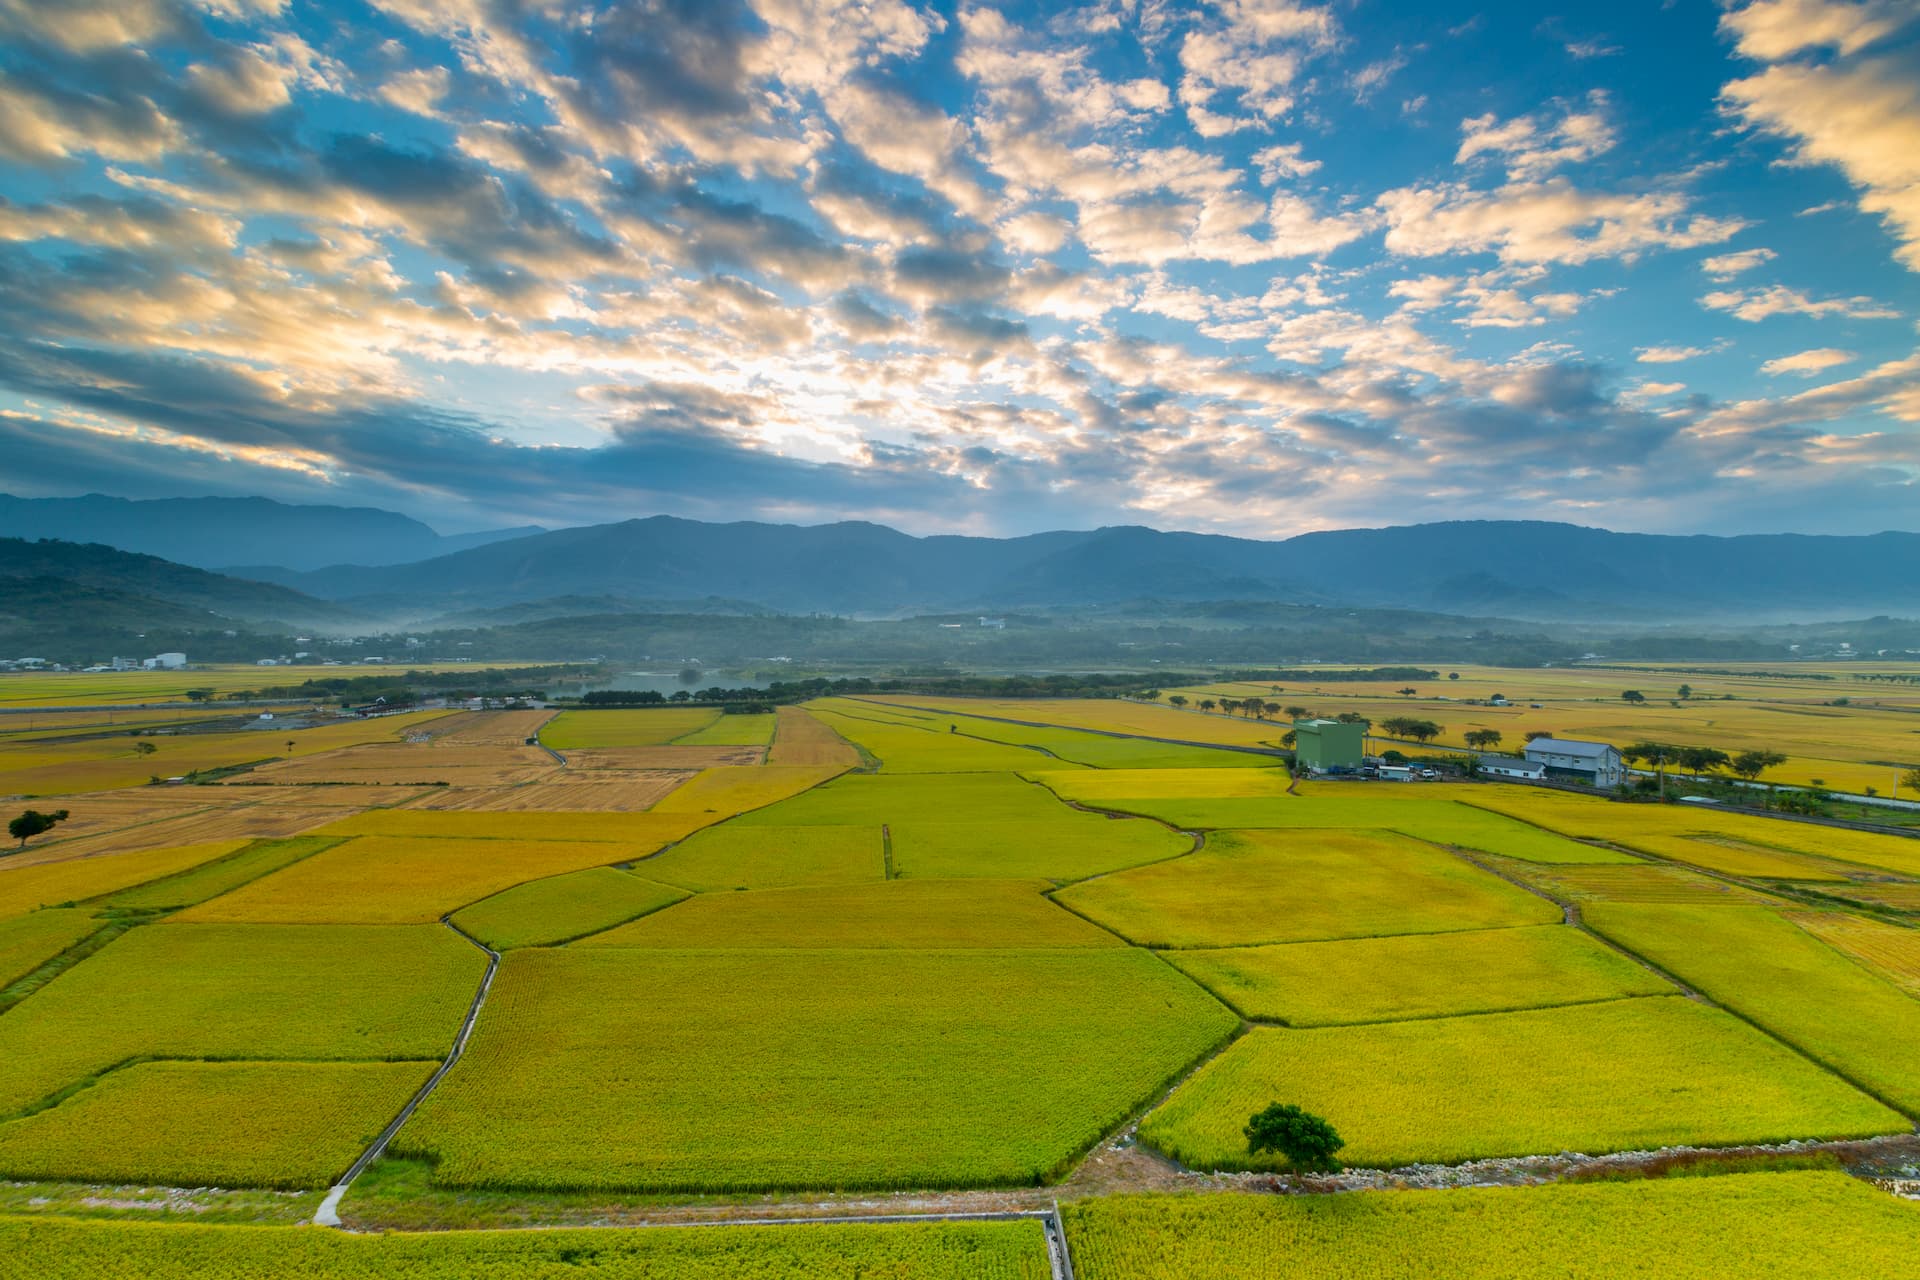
1519,569
221,533
69,575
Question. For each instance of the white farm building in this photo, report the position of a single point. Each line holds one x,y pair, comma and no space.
1598,764
1513,767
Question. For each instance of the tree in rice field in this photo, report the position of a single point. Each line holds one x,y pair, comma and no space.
1304,1139
1911,777
32,823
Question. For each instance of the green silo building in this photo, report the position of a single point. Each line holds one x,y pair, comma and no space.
1328,744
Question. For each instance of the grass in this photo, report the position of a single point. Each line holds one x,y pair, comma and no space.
871,799
732,731
544,913
402,879
55,1249
211,879
30,941
1814,1226
574,729
1767,969
1251,887
1620,1076
49,884
725,792
920,914
1069,846
746,857
193,1124
1317,984
320,992
620,1068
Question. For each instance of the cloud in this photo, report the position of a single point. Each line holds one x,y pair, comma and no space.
1777,300
1725,266
1671,355
1531,147
1544,222
1771,30
1808,363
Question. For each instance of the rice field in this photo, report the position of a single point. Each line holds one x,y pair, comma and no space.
962,798
411,763
1815,1226
256,819
1641,882
915,914
52,884
1251,887
488,728
231,1124
571,730
1785,979
1318,984
909,749
637,830
29,941
604,792
672,757
732,731
211,879
744,857
61,1249
724,793
612,1067
403,879
1579,1078
1074,746
1072,846
320,992
1115,715
1095,786
1889,950
548,912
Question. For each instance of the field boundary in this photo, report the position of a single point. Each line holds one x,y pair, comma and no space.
328,1214
1275,752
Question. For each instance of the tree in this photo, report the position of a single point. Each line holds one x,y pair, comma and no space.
1911,778
1288,739
1532,734
1208,704
1304,1139
1657,754
1481,739
1632,695
1407,692
1271,708
1685,691
32,823
1296,713
1228,705
144,748
1425,731
1453,675
1177,700
1751,764
1699,760
199,695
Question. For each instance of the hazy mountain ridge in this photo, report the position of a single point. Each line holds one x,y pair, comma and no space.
68,575
1515,568
225,533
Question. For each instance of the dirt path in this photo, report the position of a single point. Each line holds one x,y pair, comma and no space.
328,1214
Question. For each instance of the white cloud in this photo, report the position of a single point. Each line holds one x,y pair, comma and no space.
1671,355
1808,363
1725,266
1774,29
1531,147
1544,222
1283,161
1778,300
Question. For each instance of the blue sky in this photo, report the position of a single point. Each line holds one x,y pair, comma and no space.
1251,267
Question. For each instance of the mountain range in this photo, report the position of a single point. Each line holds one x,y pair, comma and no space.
408,574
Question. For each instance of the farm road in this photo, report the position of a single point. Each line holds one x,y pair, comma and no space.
328,1214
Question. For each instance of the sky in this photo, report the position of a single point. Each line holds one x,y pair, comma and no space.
1251,267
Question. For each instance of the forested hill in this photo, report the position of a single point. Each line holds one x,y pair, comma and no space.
119,588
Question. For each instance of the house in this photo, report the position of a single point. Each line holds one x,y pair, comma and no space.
1398,773
1513,767
1326,745
1598,764
165,662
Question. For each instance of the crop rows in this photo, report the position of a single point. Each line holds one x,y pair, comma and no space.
544,912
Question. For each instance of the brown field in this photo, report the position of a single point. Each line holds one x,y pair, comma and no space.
404,763
489,728
637,759
606,792
800,738
243,822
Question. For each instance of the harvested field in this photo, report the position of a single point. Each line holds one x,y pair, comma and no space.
1319,984
319,992
645,831
802,739
230,1124
571,730
1250,887
617,1067
259,820
58,1249
638,759
412,763
1642,882
561,792
1760,1224
1507,1084
919,914
544,913
404,879
488,728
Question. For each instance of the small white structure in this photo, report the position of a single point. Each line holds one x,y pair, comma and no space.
165,662
1397,773
1598,764
1513,767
